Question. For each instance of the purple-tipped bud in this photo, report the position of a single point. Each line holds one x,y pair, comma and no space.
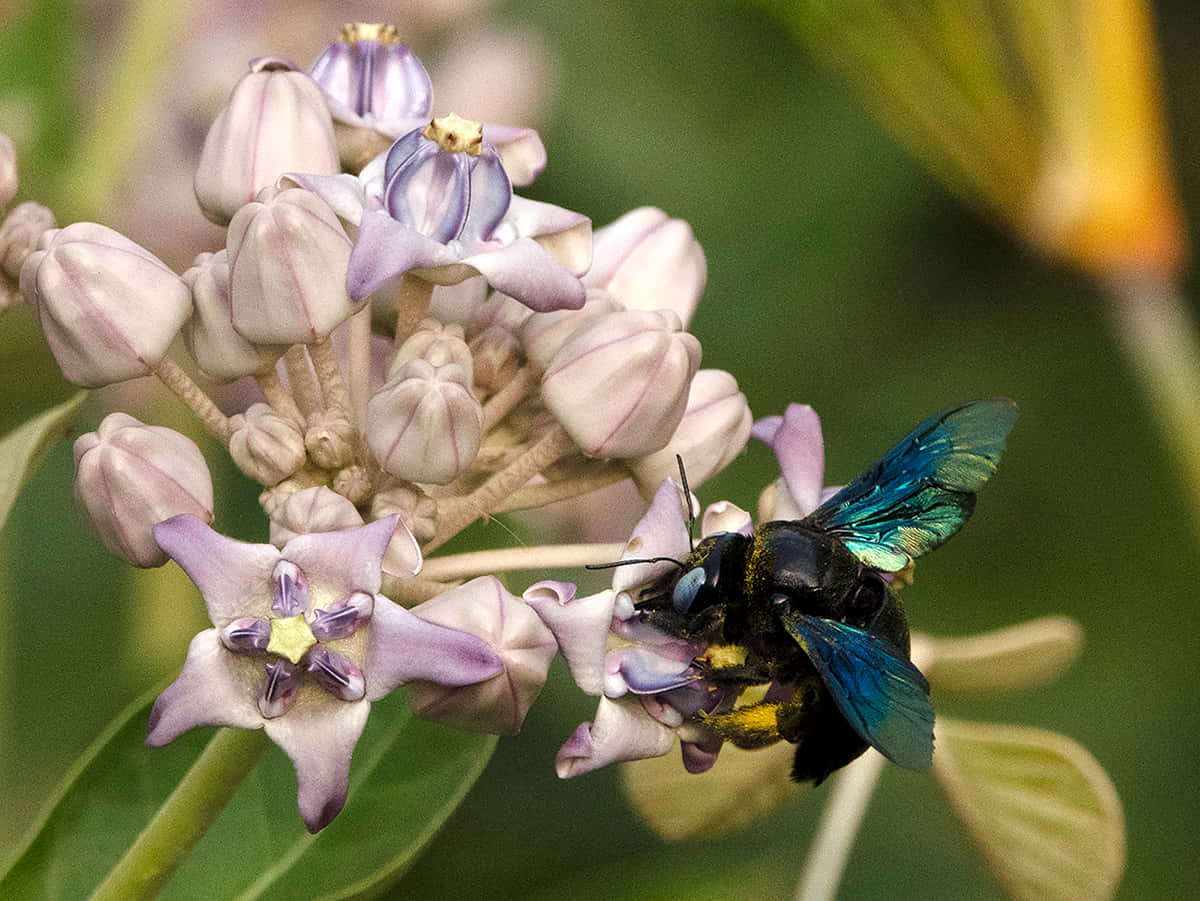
544,334
714,429
289,590
19,235
280,689
619,385
109,308
367,72
497,355
312,510
437,345
425,425
265,446
276,121
337,675
343,618
648,261
331,439
247,636
130,476
446,183
8,171
287,266
209,334
482,607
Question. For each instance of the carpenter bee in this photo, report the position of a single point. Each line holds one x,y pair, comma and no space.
805,606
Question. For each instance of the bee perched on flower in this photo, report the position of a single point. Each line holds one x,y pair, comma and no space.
799,608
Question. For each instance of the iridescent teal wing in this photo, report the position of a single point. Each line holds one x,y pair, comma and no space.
883,697
923,489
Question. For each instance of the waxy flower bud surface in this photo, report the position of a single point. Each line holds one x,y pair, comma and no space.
209,334
265,446
20,233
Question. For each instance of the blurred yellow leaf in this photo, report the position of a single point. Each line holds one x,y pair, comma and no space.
1017,657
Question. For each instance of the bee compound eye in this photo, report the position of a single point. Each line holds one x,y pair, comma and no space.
869,596
686,589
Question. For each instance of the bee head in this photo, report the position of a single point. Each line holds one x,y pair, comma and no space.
702,584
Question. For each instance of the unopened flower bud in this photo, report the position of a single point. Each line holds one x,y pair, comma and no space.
543,334
312,510
8,171
265,446
130,476
648,261
497,355
352,482
20,233
437,345
276,121
109,308
208,334
619,385
714,429
368,75
330,438
482,607
287,265
416,509
425,425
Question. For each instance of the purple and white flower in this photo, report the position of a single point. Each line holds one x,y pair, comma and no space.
302,642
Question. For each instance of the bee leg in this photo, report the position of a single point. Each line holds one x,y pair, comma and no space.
753,726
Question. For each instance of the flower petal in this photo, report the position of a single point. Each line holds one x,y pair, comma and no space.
403,647
213,689
662,532
521,150
343,193
234,577
800,450
580,626
386,249
642,671
528,272
622,730
346,561
319,736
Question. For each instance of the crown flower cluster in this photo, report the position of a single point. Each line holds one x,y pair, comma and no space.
402,345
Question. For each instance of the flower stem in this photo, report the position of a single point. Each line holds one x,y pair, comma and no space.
455,514
184,817
412,305
278,397
1161,340
503,401
843,814
564,489
329,376
300,377
197,401
552,556
360,364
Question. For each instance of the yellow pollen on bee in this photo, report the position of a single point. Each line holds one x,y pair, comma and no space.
456,134
290,637
353,32
723,656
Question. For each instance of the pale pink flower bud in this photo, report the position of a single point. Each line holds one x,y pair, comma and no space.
109,308
287,266
437,345
483,608
497,355
416,509
208,334
20,233
648,261
425,425
619,385
312,510
265,446
130,476
543,334
276,121
330,438
714,429
8,170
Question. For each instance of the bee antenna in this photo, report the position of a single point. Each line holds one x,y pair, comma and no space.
687,499
631,561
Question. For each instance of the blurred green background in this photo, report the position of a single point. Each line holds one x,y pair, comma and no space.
842,275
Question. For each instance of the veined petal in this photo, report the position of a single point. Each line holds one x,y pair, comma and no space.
215,688
234,577
565,234
403,647
343,561
526,271
344,194
580,626
521,150
622,730
385,249
662,532
320,744
800,450
642,671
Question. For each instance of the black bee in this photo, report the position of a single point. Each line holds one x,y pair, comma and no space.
803,606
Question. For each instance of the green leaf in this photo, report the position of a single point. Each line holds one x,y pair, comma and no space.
406,779
1043,811
24,448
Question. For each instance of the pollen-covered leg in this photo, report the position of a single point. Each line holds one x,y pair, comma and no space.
754,726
